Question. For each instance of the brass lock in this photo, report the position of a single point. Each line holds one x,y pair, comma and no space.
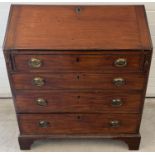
35,63
121,62
116,102
118,81
114,123
41,101
43,124
38,81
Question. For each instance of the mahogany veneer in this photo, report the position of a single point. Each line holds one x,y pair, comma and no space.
78,71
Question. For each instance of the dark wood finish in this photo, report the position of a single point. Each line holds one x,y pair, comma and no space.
25,143
78,47
78,81
77,123
132,140
86,101
80,63
94,27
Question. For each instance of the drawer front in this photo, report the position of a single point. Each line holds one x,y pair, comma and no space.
78,81
33,124
101,101
79,62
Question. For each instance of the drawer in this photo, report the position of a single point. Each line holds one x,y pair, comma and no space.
78,81
79,62
79,101
35,124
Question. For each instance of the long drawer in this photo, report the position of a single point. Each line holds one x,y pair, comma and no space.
115,61
78,81
78,101
35,124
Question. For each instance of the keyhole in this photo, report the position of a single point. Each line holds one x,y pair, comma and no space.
78,97
78,77
78,10
77,59
78,117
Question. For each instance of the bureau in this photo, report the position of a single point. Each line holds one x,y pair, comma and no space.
78,71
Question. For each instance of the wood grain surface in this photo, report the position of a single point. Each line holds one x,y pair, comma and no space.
77,27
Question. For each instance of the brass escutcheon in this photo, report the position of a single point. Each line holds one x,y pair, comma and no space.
118,81
38,81
120,62
43,124
114,123
41,101
116,102
35,63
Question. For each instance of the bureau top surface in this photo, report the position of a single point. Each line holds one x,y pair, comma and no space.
77,28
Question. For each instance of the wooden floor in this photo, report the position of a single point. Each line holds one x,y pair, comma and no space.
9,132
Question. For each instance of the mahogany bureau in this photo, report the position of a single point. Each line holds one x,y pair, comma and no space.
78,71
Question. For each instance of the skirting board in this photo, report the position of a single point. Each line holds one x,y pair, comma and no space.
5,95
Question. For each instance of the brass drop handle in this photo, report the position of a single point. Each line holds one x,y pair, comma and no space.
114,123
116,102
120,62
118,81
43,124
38,81
41,102
35,63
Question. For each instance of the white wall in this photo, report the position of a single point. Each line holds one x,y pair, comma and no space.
4,84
